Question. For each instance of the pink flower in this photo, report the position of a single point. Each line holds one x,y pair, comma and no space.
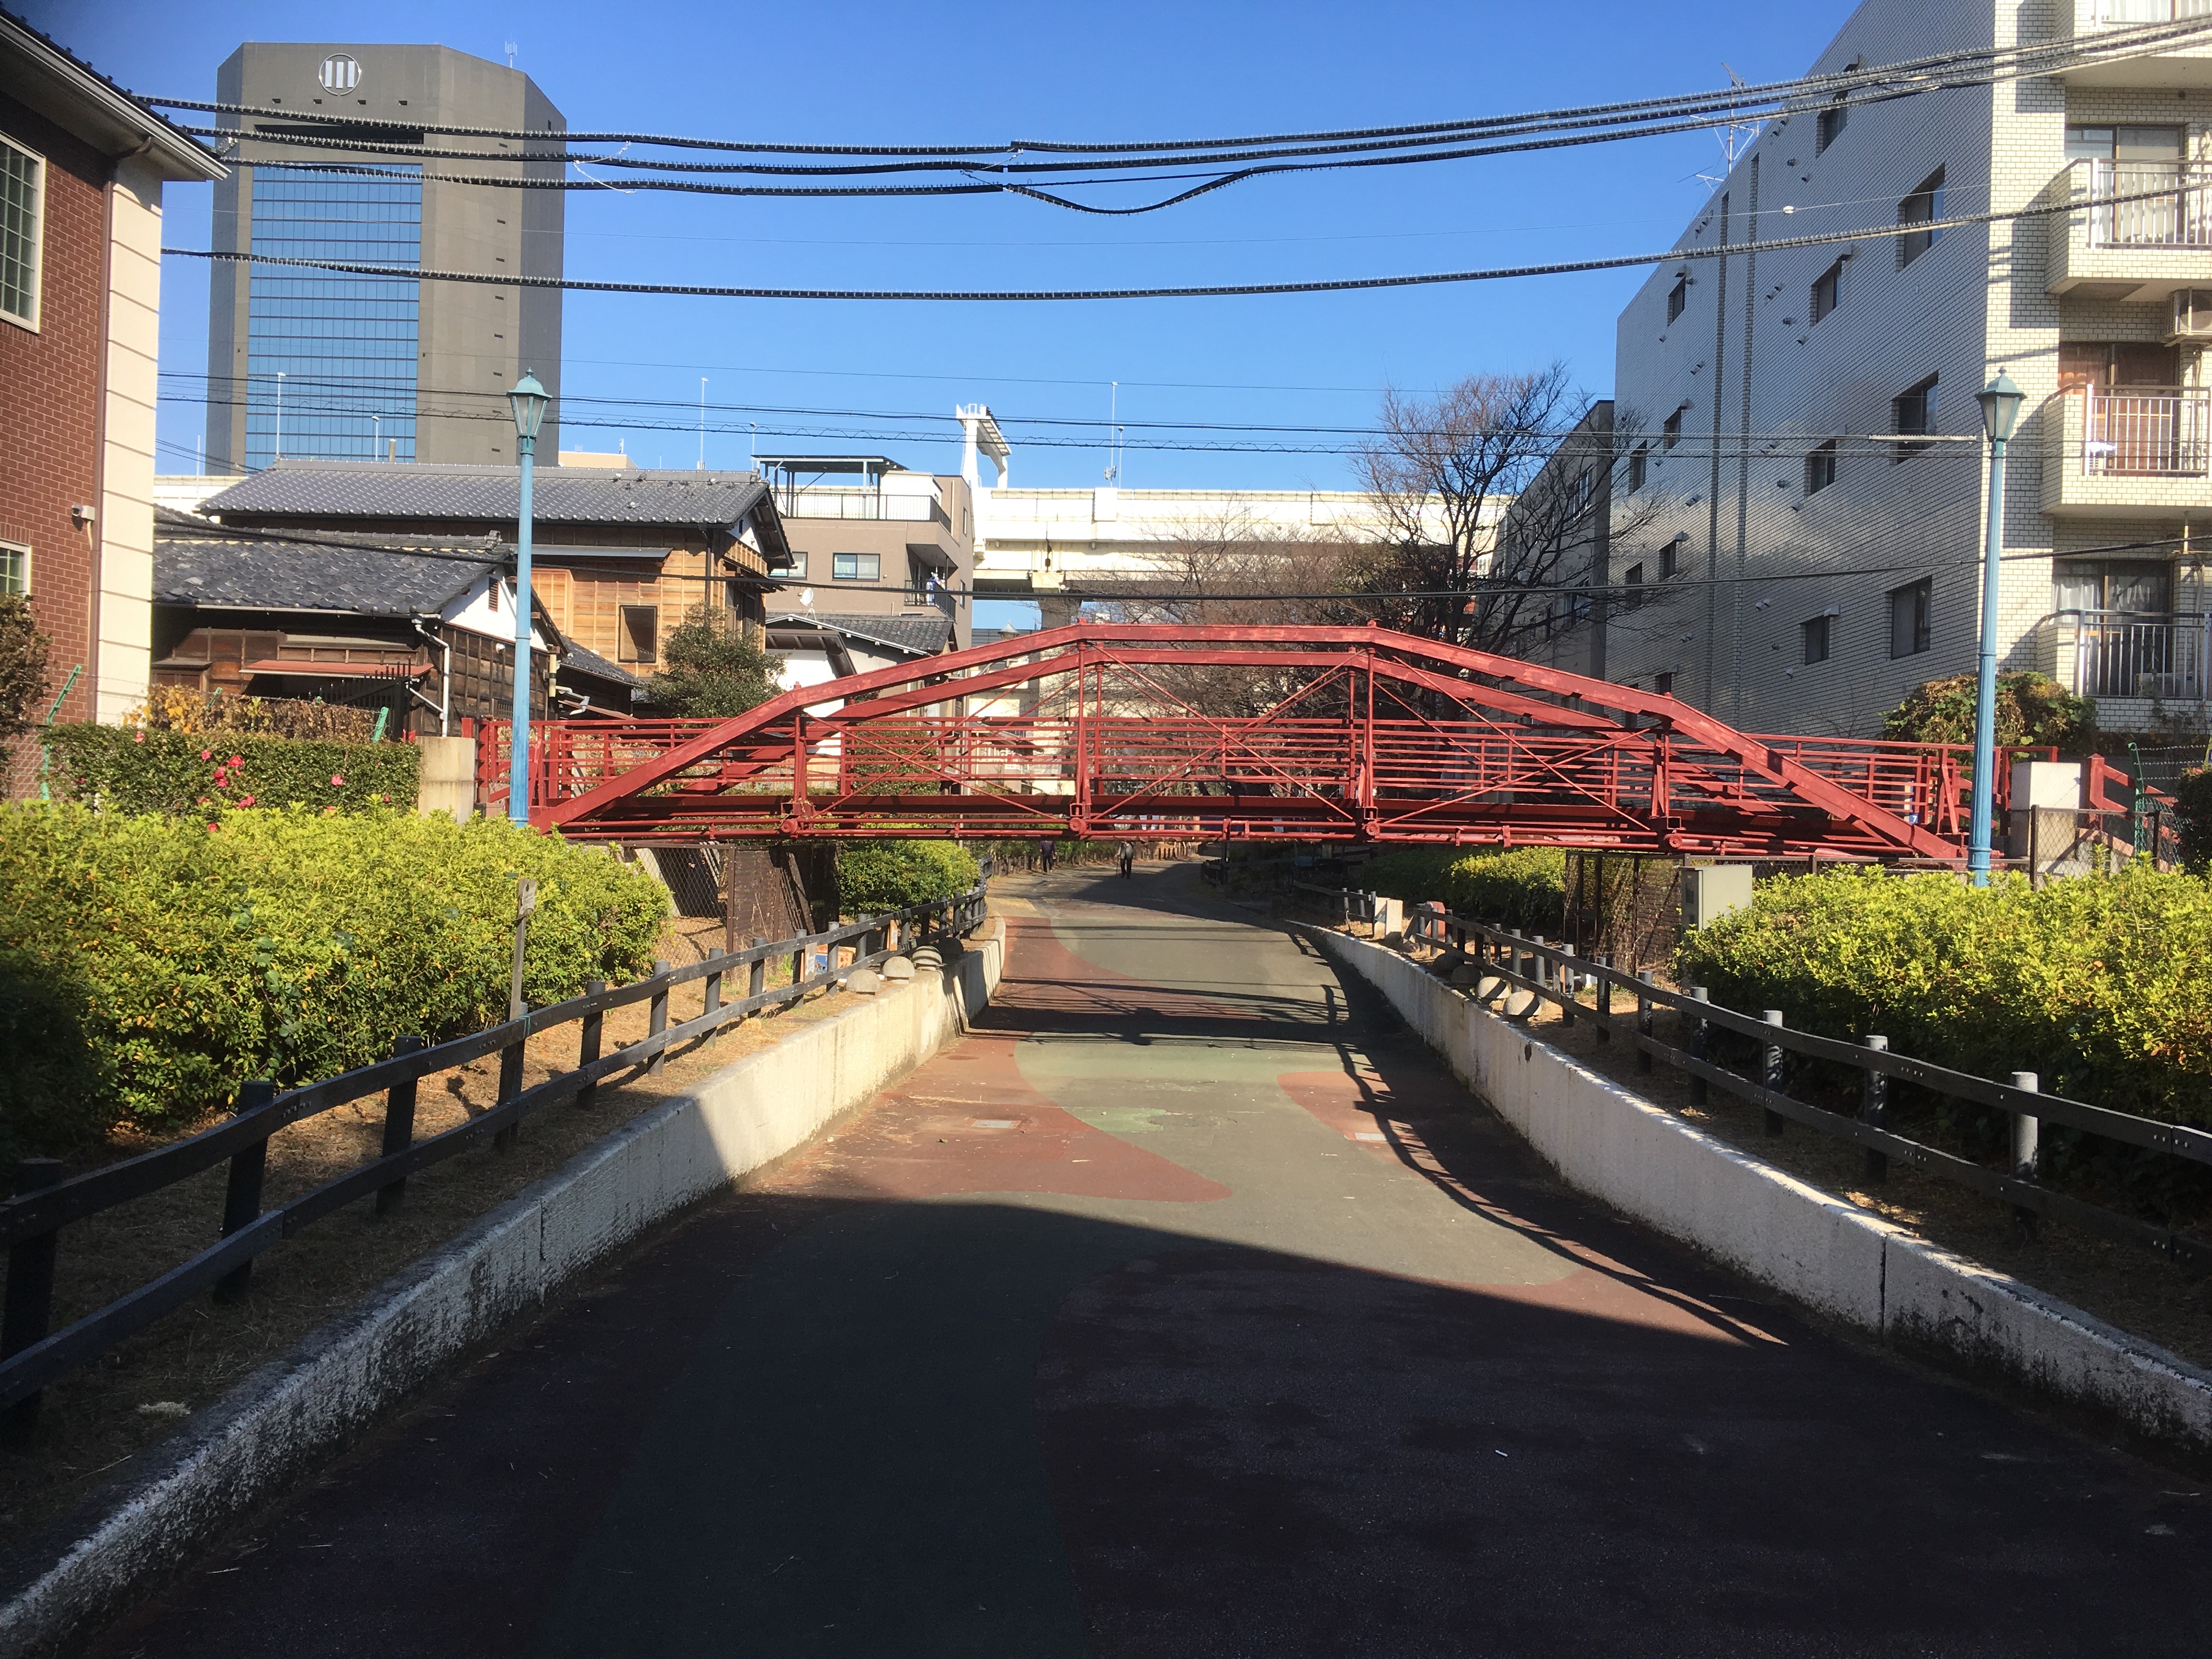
138,737
246,800
207,754
337,782
238,760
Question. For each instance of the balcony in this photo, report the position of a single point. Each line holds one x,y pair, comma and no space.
2123,654
2168,65
904,505
2134,451
2142,249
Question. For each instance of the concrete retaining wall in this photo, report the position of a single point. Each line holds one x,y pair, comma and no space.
1828,1255
294,1413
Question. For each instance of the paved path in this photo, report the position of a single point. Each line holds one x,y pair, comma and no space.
1189,1310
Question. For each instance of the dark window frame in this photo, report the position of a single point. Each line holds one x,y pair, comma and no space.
1831,124
1663,684
1820,467
627,646
1669,558
866,567
1670,429
1678,297
1913,606
1633,581
1923,205
1817,638
1912,414
1828,292
1639,467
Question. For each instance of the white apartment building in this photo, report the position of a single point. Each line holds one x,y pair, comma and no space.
1800,449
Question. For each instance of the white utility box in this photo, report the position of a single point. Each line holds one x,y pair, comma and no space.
1710,891
2047,785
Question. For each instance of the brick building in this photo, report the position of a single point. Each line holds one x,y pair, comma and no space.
82,167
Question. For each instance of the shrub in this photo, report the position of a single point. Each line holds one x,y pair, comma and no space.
153,965
875,876
2096,982
2033,710
2193,798
175,709
23,652
1525,887
134,769
710,668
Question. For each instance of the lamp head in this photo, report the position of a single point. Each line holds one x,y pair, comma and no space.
529,401
2000,400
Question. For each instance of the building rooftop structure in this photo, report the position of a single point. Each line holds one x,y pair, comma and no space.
199,562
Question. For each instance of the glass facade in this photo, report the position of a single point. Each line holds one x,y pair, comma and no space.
346,347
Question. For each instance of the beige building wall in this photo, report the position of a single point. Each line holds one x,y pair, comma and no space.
1758,384
124,651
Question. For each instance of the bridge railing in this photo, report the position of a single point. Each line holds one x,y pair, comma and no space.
31,1222
1506,961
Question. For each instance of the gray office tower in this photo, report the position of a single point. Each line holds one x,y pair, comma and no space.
360,366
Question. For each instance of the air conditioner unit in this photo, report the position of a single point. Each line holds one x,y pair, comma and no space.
2192,315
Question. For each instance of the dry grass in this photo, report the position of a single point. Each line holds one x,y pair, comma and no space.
2123,1285
99,1418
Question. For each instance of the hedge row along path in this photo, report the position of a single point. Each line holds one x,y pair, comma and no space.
1187,1307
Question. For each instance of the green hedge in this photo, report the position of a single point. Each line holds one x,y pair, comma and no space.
125,768
151,965
2096,983
1525,887
875,876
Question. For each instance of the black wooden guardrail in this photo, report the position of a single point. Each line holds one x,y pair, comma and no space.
1506,961
31,1221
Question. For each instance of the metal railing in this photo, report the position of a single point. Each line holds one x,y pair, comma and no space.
2145,432
2118,653
31,1222
1506,961
2151,11
811,502
2169,207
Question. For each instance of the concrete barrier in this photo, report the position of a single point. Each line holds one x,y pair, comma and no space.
295,1413
449,777
1830,1255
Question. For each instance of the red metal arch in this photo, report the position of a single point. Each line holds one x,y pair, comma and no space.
1367,735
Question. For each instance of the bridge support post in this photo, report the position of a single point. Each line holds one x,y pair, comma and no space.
1874,1111
1770,1074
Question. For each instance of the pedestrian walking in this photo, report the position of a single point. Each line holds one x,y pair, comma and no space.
1045,845
1127,853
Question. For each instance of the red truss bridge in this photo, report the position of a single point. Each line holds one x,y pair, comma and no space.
1344,734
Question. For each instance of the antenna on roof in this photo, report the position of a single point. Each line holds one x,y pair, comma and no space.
1731,147
510,56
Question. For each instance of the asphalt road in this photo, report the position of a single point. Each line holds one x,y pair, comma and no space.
1190,1309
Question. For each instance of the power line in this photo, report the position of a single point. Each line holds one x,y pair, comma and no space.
1340,285
2125,42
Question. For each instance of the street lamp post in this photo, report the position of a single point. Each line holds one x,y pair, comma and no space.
529,402
2000,400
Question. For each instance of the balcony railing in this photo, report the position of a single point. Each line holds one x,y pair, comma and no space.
2150,11
2145,432
2122,654
813,502
2171,205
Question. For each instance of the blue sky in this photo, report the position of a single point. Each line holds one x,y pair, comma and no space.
985,72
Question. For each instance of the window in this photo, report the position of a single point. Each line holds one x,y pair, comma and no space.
1670,429
1923,205
1830,127
1820,467
1827,290
1678,297
2137,587
14,568
796,566
1639,463
1914,412
855,567
1908,619
1635,594
1663,684
1668,556
641,634
1814,630
23,214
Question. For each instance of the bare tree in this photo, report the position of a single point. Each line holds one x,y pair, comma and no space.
1441,473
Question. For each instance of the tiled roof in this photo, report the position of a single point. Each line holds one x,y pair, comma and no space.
197,563
575,494
918,636
574,657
